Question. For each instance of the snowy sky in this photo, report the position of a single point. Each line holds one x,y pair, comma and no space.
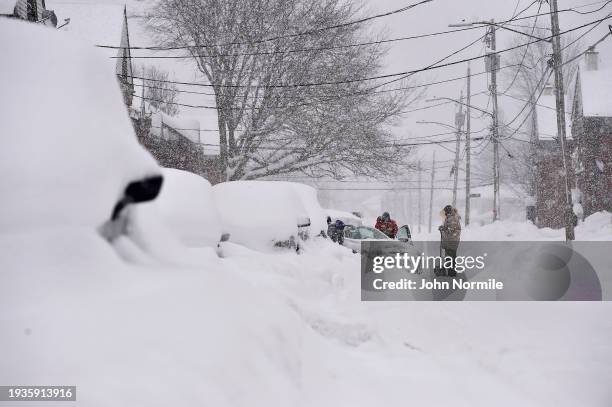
413,54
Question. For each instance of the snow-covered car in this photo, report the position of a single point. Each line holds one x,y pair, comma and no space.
262,214
186,208
70,161
355,235
346,217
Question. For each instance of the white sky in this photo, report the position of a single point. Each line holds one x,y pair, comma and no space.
411,54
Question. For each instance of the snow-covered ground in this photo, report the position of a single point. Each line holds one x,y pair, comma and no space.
277,330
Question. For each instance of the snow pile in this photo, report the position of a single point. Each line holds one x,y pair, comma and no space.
595,227
185,205
598,226
258,213
68,146
129,336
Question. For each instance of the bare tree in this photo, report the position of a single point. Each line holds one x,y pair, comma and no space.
159,93
287,101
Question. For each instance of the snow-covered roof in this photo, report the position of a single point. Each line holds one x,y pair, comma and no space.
93,22
188,128
596,92
547,118
7,6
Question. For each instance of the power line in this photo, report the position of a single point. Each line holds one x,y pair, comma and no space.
433,34
404,74
284,36
549,75
516,74
421,85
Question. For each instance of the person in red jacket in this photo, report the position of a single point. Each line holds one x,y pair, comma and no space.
386,225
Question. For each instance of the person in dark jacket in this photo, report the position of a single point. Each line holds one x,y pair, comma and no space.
339,232
386,225
450,233
331,229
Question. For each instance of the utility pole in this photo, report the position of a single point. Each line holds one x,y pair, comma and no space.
419,170
560,95
494,66
431,193
142,97
468,135
459,119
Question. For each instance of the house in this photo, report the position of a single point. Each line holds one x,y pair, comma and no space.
30,10
175,142
102,24
592,126
550,192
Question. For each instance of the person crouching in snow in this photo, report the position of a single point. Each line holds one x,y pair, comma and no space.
450,233
386,225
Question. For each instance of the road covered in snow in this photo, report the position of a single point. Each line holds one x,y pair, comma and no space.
282,329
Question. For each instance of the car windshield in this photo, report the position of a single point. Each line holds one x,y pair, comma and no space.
364,232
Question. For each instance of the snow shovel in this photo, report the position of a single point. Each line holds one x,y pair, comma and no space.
440,271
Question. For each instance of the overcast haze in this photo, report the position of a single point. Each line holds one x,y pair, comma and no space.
413,54
418,53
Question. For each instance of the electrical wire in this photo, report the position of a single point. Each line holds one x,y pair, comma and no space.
403,74
433,34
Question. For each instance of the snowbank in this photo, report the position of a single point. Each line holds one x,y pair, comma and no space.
68,147
598,226
595,227
258,213
186,206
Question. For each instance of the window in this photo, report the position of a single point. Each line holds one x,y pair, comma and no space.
364,232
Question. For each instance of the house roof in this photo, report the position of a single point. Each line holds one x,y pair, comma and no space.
189,128
547,118
7,6
596,89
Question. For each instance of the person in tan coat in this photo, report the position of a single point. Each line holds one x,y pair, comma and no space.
450,232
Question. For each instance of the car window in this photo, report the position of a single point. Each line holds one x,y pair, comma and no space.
403,233
364,232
